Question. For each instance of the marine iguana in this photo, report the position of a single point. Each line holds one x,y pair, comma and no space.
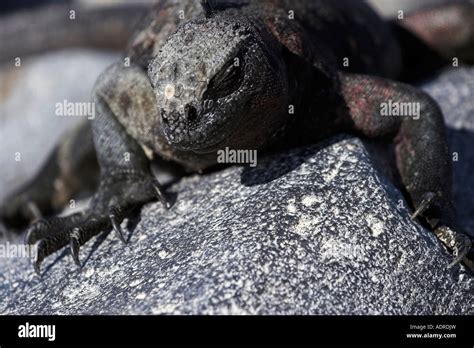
213,74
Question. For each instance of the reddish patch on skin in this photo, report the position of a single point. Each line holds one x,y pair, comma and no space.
292,40
364,97
356,98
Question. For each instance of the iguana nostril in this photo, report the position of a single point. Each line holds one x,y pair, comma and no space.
191,113
164,117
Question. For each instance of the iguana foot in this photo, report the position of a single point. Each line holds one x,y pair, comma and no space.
109,207
458,242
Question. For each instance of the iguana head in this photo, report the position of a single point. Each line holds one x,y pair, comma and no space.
219,82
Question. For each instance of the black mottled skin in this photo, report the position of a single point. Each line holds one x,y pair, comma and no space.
302,66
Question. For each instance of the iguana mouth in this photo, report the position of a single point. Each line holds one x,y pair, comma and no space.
219,136
210,148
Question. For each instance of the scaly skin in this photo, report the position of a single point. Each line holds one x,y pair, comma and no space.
225,76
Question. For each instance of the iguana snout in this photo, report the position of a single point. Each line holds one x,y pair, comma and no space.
211,77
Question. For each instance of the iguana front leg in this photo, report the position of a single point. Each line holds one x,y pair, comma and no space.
421,148
125,180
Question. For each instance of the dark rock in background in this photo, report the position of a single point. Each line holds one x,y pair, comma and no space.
14,5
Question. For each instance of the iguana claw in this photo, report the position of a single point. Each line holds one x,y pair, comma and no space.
75,230
116,226
425,203
74,245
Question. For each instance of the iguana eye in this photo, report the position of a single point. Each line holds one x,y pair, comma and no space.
226,81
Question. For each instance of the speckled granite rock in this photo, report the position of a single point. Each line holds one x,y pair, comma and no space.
315,231
307,232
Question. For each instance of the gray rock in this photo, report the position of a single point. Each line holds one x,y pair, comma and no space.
312,231
28,124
